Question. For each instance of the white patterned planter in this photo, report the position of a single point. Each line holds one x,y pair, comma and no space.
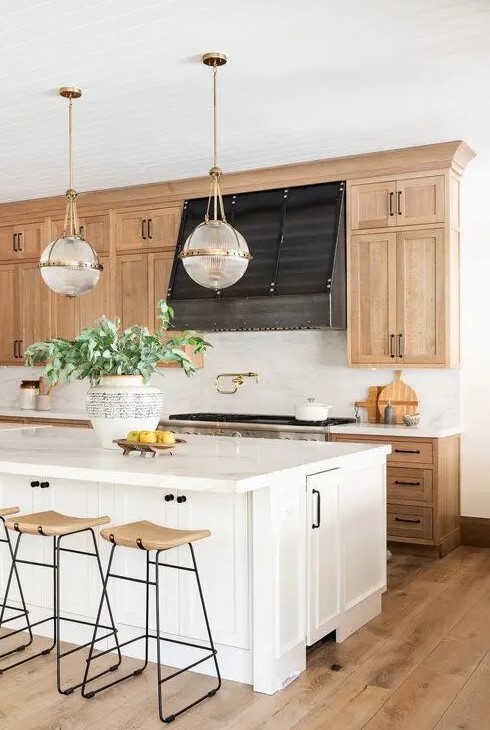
122,403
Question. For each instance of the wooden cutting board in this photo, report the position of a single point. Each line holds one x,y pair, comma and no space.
371,403
401,396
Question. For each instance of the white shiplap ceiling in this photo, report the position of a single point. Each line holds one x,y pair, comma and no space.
306,79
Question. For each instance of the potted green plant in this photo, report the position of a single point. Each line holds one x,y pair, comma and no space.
118,365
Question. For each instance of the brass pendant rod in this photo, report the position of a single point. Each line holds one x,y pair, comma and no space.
70,144
215,124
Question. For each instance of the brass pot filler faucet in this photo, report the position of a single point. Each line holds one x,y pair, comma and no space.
236,379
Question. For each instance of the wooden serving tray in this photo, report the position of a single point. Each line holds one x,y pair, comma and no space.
144,449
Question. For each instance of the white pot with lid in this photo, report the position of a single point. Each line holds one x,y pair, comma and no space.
311,410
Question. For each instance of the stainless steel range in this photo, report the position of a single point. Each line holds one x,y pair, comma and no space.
252,425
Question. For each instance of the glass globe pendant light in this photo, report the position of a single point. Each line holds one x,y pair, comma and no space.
215,255
69,265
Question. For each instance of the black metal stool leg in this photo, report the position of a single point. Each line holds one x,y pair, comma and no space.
23,611
145,636
213,652
58,618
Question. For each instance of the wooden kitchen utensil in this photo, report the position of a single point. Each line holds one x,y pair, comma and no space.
371,403
401,396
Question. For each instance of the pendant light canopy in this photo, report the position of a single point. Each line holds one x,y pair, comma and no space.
69,265
215,255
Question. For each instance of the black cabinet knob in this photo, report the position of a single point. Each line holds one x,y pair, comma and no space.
44,485
34,484
181,499
169,498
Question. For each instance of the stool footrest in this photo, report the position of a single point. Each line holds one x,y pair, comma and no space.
189,666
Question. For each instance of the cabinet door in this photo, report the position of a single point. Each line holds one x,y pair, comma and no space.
16,491
148,229
33,306
222,560
372,205
323,555
420,200
7,242
160,270
97,302
30,240
421,316
132,505
65,317
93,228
132,290
372,298
163,227
8,330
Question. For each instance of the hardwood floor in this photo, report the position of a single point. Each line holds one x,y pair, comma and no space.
424,664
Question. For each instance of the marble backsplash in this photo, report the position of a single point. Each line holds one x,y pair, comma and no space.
291,366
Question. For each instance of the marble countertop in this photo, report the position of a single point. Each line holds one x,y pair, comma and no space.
381,429
204,463
10,426
56,414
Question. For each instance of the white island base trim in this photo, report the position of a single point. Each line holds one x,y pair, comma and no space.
286,563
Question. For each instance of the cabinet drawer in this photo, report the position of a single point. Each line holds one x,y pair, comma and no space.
407,521
414,484
416,452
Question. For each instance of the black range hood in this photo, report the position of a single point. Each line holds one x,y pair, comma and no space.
296,279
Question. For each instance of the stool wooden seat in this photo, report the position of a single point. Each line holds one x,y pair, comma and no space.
53,524
6,511
145,535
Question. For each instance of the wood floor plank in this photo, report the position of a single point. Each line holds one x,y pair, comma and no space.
423,663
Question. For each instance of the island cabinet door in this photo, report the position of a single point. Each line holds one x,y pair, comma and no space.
363,530
79,578
323,555
16,491
132,504
222,561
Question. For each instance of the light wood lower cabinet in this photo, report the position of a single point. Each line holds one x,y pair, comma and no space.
422,489
69,315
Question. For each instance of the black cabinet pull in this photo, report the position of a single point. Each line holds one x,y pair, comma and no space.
390,203
318,509
19,241
392,340
15,348
143,229
407,451
148,228
415,521
408,484
181,499
401,350
14,241
399,202
34,484
82,228
169,498
20,349
44,485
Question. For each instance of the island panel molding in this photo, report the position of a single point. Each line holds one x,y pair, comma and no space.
420,183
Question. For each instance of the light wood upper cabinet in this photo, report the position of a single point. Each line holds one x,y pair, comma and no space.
372,205
411,201
33,306
93,228
372,298
148,229
132,290
8,330
22,241
420,301
420,200
398,304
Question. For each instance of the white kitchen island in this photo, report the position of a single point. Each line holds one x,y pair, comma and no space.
297,550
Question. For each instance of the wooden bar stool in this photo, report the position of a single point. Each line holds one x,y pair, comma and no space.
19,613
150,537
58,527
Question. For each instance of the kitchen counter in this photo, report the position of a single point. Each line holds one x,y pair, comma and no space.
297,546
12,426
204,463
45,415
381,429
